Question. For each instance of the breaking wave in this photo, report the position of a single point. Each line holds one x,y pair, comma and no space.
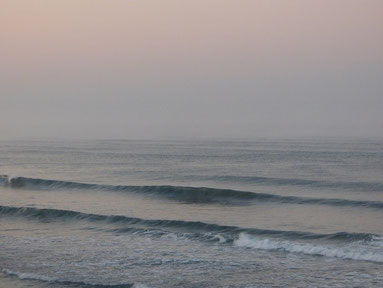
357,246
350,251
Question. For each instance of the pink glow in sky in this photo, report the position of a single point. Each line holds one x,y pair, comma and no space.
142,69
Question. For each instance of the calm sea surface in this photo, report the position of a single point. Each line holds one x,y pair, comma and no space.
267,213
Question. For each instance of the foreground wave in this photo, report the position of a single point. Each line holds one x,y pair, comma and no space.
357,246
57,281
186,194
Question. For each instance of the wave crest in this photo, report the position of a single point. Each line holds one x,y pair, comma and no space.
186,194
355,252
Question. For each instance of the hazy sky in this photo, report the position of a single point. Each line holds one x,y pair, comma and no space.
191,68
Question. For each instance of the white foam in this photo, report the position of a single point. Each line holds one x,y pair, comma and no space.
10,177
29,276
351,251
220,238
140,285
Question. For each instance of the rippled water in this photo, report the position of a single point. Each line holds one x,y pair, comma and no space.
267,213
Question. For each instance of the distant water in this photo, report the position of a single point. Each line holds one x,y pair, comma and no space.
267,213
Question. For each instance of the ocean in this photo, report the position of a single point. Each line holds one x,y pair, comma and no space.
206,213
